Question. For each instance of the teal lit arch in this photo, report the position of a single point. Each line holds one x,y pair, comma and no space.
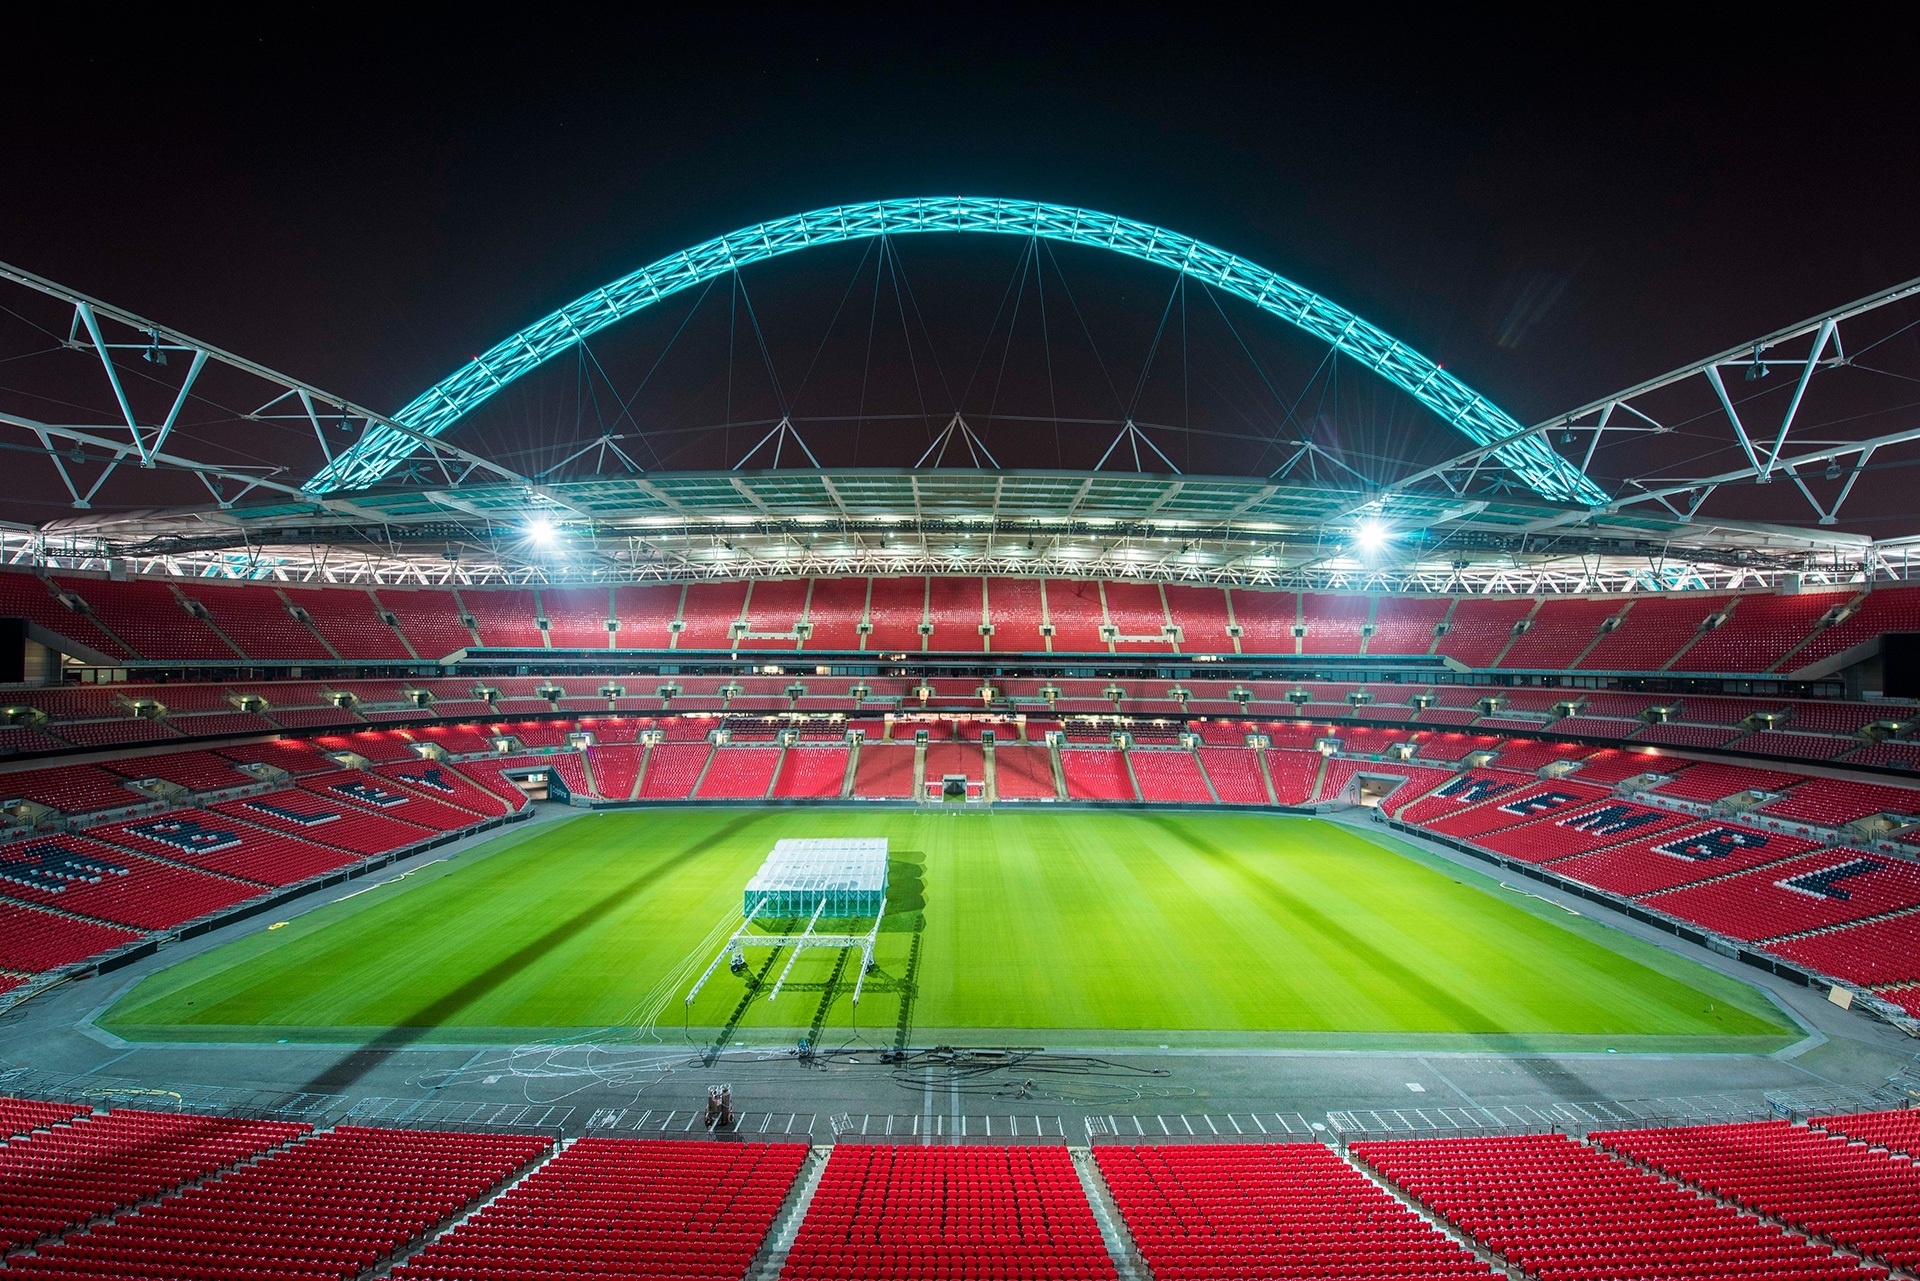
437,409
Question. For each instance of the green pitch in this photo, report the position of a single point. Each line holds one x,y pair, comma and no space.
1061,927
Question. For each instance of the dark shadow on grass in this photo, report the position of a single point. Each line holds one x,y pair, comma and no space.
352,1067
1278,898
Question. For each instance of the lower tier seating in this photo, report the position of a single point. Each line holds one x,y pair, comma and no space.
34,940
73,874
623,1208
21,1116
1868,1201
811,772
886,1211
1816,890
74,1173
1565,1211
739,773
672,770
1894,1131
324,822
1096,775
616,768
1022,773
335,1205
1207,1211
1886,951
1172,777
885,772
1235,774
219,843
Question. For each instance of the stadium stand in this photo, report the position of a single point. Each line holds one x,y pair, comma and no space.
1481,628
1559,1209
1811,892
71,789
1203,1211
218,843
886,1211
624,1208
1171,777
774,607
1022,773
1682,856
1093,774
1558,632
1201,615
324,822
1709,782
739,773
885,772
1894,1131
491,773
1235,775
811,772
1830,802
97,1165
616,769
74,874
504,617
1846,1193
1654,630
27,596
1405,625
34,940
350,622
295,756
672,771
1761,630
1878,952
1076,612
1800,747
23,1116
333,1205
151,618
1884,608
835,610
256,619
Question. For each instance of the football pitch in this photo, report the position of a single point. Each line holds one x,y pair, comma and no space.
1002,928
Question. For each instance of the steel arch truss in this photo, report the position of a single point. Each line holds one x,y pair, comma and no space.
1529,456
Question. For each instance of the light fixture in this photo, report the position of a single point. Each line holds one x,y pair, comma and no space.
540,532
1756,370
1371,536
1566,437
1833,469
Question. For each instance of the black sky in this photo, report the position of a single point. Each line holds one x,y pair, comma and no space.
1553,211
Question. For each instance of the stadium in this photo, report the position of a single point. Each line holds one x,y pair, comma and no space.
999,829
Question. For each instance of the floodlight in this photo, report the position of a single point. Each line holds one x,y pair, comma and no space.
1371,536
540,531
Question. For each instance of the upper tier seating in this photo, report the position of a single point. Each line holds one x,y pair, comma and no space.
332,1206
1759,634
74,874
883,1211
71,1175
195,771
1611,768
1169,776
1571,1213
150,616
576,616
811,772
1480,628
1094,774
24,595
1809,892
1558,631
349,620
430,619
1799,747
666,1208
955,610
1868,1201
708,614
504,617
1076,612
1886,608
1885,951
1201,615
774,608
1266,620
1015,608
255,618
1334,623
1404,624
1203,1211
646,613
294,755
220,843
1654,630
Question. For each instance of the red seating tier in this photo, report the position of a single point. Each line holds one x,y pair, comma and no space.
253,616
623,1208
646,613
97,1165
1562,1210
1093,774
71,789
885,772
1815,890
1886,951
672,770
220,843
1169,776
885,1211
324,821
1683,856
1862,1199
576,616
332,1206
1202,1212
1830,802
1760,632
74,874
1480,628
1558,631
811,772
349,620
739,773
33,941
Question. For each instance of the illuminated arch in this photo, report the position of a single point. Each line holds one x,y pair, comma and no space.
438,408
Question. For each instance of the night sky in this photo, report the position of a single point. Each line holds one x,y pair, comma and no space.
1552,212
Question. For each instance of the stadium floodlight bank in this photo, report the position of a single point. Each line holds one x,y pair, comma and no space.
836,878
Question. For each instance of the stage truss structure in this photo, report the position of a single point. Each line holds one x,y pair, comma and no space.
735,954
